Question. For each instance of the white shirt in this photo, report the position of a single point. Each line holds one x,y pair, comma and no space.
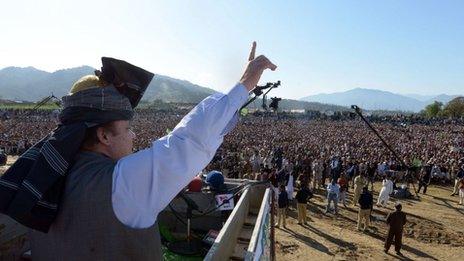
289,187
388,185
145,182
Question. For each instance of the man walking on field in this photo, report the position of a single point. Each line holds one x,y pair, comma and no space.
395,221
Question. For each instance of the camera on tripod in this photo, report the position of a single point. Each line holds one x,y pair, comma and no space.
275,103
258,90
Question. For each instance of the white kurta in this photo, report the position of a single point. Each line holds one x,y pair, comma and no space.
146,181
384,195
289,187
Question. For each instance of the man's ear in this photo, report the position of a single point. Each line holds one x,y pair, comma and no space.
102,135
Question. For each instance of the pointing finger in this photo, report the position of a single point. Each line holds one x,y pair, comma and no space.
252,52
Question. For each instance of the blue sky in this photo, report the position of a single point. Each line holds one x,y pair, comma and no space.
319,46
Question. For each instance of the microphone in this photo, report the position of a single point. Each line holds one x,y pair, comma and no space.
258,90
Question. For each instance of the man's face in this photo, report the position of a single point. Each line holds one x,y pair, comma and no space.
121,140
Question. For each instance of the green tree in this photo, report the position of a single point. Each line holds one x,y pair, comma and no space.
434,109
454,108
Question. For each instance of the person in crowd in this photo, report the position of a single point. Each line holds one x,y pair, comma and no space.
395,221
256,161
343,182
366,203
335,167
386,191
302,197
371,170
424,179
290,185
317,174
333,193
382,167
359,183
461,191
282,207
457,179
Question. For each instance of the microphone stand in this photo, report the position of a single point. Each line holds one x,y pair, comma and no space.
189,246
191,205
359,113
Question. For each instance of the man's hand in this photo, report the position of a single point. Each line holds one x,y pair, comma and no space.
255,68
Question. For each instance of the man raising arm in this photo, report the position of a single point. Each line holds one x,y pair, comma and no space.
146,181
112,197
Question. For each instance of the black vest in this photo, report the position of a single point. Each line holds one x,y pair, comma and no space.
86,227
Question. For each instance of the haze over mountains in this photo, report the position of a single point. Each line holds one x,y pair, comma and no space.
31,84
371,99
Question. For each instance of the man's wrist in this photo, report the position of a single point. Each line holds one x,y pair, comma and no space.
247,85
238,94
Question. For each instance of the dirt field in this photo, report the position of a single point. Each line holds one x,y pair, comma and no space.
434,231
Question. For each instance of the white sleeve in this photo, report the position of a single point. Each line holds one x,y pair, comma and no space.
145,182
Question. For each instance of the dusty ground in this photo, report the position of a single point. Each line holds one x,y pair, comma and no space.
434,231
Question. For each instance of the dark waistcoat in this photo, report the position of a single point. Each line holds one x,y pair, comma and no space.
86,227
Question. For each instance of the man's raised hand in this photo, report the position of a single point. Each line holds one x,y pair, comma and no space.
255,68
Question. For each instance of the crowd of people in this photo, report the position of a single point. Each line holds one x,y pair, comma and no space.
20,129
314,148
305,145
308,146
311,152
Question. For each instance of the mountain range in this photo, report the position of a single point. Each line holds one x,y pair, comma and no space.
31,84
371,99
